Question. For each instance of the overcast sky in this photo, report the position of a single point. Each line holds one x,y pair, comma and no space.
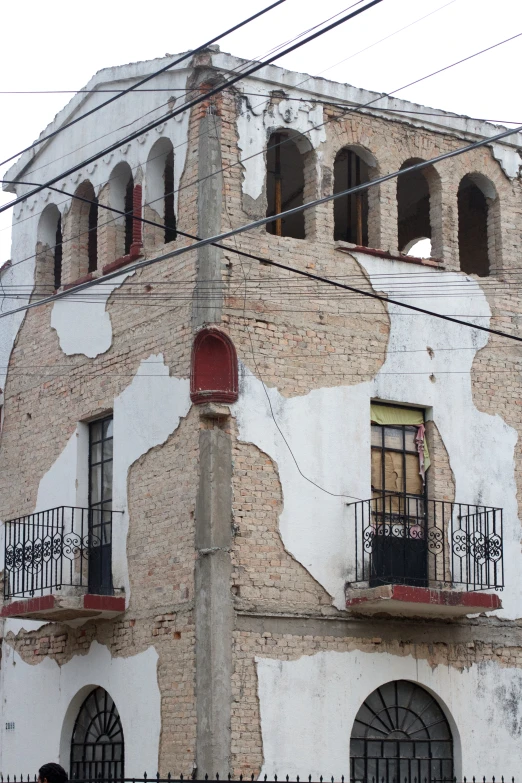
59,45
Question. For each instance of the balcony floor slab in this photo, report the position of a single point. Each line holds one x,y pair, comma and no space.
406,601
64,608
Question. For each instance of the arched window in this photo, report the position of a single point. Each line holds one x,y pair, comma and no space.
401,734
475,226
49,251
125,197
413,205
284,185
213,376
350,212
97,746
83,232
160,189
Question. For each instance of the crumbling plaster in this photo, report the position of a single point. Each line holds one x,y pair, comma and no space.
43,701
328,429
82,322
308,707
146,413
258,117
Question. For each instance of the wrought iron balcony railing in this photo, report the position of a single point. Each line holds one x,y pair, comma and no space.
61,547
410,540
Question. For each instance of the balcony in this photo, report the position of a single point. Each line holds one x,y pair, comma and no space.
58,566
419,557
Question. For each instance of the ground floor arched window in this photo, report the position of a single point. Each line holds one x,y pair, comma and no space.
97,747
401,734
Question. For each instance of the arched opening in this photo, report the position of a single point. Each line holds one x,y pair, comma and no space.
351,212
420,247
413,206
213,376
475,233
123,198
285,183
129,208
83,231
401,734
160,189
49,252
97,744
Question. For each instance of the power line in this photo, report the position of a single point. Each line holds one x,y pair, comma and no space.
215,240
352,109
194,102
144,80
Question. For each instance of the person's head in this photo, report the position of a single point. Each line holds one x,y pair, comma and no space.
52,773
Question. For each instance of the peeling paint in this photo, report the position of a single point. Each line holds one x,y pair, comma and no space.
333,449
308,707
82,322
43,701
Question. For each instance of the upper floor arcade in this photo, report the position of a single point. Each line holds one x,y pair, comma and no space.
285,139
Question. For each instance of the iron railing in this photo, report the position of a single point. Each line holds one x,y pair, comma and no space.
410,540
60,547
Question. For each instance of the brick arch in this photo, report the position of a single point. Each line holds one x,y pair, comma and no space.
213,374
478,209
48,270
419,207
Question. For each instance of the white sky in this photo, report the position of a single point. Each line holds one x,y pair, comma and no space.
59,45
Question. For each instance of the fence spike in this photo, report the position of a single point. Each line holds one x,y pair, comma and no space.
252,777
217,775
297,778
287,779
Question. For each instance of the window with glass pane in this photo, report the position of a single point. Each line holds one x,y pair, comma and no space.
401,734
97,747
100,506
399,541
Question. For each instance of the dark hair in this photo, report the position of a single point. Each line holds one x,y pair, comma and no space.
54,773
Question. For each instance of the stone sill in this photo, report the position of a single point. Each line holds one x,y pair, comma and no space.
406,601
63,607
347,247
123,261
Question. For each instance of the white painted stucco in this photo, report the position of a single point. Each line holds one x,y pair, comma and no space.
145,414
257,118
308,707
333,449
82,322
43,701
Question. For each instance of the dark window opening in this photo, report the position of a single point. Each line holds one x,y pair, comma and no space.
413,205
129,212
92,248
284,186
399,543
473,229
350,212
170,217
97,745
401,734
100,506
58,253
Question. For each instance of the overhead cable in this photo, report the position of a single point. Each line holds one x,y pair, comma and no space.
144,80
195,101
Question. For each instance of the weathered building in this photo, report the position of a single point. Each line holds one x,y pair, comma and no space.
254,523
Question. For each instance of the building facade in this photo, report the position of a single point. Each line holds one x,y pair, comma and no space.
253,523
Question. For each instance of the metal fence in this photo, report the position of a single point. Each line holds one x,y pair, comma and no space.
60,547
411,540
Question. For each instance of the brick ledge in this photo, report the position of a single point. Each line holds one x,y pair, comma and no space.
63,607
347,247
419,601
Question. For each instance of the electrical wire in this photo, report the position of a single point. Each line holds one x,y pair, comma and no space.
191,103
143,81
352,109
